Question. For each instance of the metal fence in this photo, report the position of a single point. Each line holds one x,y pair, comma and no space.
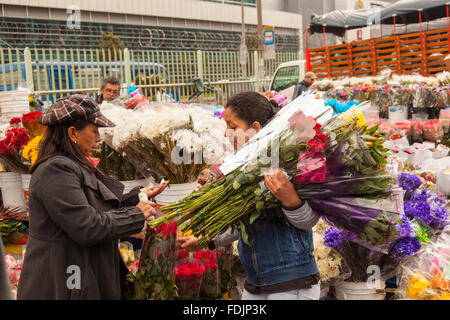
53,73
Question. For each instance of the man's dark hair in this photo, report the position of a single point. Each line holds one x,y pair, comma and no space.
251,106
111,80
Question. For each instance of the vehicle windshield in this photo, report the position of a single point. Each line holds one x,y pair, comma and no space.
285,78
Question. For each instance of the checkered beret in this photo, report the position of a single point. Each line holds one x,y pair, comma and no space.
73,108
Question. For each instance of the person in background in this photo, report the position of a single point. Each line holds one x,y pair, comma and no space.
280,263
110,90
5,286
77,214
304,85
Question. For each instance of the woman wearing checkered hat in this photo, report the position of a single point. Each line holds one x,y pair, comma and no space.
77,214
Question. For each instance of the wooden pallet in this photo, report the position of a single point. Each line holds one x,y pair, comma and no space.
421,53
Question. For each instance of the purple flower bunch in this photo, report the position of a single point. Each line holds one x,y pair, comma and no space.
404,247
333,238
421,196
409,182
405,229
218,114
427,208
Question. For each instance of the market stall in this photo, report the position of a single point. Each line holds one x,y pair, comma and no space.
363,155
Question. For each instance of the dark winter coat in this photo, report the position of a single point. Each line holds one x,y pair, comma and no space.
76,219
300,88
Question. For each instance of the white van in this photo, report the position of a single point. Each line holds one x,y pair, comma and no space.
287,75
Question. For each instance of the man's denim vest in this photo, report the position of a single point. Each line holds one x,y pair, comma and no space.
279,252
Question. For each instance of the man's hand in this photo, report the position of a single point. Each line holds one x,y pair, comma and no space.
282,189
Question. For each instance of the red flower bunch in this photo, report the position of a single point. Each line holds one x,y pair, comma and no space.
15,139
210,288
189,272
406,125
182,255
166,230
317,144
136,101
188,279
31,117
432,130
30,122
311,163
416,127
208,258
14,122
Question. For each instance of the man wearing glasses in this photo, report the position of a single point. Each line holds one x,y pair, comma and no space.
110,90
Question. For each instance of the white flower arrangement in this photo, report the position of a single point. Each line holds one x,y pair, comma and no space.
172,141
329,261
384,77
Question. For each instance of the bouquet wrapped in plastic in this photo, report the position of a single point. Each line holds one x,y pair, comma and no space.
400,96
432,130
11,145
210,288
357,259
19,143
154,279
188,278
116,164
135,99
423,96
280,99
225,264
427,275
329,261
428,209
339,168
442,96
169,141
425,216
416,131
14,268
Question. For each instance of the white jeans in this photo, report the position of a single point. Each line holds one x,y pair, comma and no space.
303,294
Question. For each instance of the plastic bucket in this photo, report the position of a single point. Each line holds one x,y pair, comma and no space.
443,183
16,95
358,291
12,190
15,106
397,114
26,184
14,102
175,192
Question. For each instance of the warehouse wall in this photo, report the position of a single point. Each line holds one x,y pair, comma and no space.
174,9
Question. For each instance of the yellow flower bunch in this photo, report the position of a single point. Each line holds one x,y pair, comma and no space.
188,233
354,113
420,288
30,151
